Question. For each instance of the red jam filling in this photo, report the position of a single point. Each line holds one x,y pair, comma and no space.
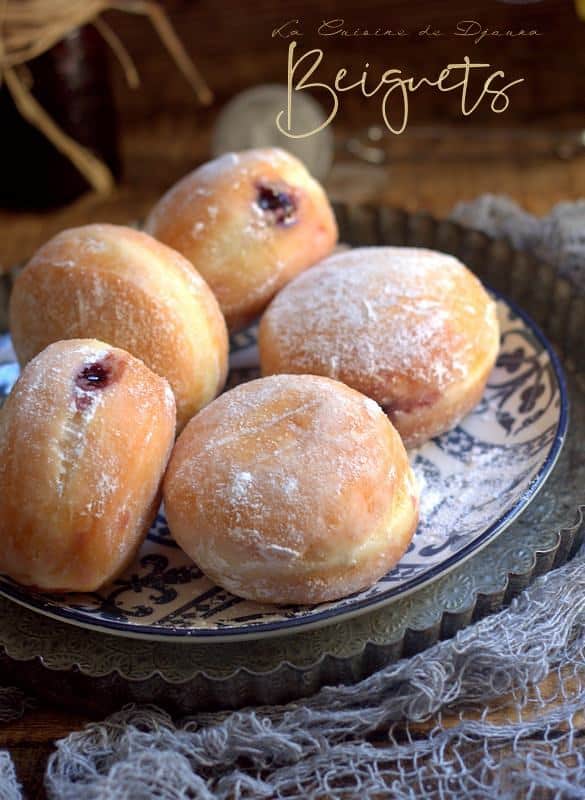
278,202
92,378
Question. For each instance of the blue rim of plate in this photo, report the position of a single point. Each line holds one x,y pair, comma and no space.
331,615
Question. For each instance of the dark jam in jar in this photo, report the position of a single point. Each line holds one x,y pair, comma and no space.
70,81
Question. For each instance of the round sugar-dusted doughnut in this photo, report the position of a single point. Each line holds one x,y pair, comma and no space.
411,328
85,436
248,222
291,489
123,287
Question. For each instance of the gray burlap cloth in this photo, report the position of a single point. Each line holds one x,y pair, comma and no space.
363,740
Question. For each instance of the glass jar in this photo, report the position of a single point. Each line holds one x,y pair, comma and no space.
71,83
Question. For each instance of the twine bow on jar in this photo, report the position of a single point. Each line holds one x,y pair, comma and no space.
29,28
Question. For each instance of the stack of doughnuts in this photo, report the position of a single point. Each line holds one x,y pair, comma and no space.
293,488
116,284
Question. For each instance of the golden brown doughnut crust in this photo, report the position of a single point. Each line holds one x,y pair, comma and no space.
249,222
121,286
291,489
411,328
85,436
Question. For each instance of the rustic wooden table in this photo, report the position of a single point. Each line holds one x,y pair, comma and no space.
153,160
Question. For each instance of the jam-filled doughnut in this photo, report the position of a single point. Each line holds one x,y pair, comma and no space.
123,287
248,222
411,328
291,489
85,436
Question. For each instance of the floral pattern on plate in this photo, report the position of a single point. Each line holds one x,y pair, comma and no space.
474,481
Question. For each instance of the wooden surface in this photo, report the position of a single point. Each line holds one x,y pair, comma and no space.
158,155
239,33
30,740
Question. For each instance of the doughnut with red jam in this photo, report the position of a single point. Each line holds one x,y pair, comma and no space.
248,222
85,436
121,286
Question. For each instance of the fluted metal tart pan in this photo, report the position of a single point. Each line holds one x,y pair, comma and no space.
68,664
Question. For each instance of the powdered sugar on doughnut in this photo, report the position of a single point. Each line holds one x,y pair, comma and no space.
284,473
85,437
124,287
201,184
248,222
389,314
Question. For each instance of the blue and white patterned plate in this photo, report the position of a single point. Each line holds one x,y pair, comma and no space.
475,480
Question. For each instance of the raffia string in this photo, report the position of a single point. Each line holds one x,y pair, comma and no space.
29,28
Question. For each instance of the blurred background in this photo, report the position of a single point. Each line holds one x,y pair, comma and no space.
152,134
